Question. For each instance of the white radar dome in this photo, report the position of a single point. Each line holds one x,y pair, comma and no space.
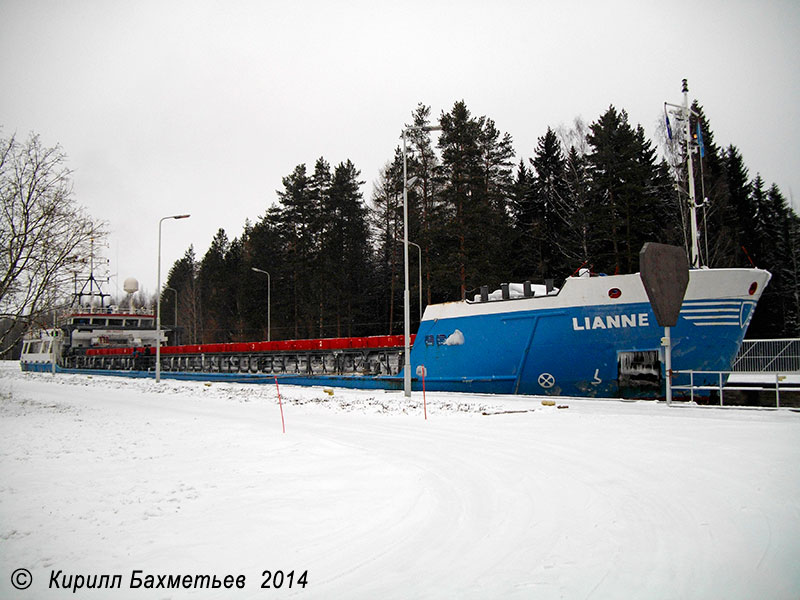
131,285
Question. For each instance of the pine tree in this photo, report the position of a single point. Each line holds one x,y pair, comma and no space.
497,154
741,210
319,288
611,140
183,280
549,197
628,191
215,299
386,222
297,223
574,212
762,228
425,207
777,313
461,176
264,250
476,181
237,285
345,251
523,209
792,325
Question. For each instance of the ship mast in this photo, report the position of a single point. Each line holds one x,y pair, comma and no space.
683,114
695,257
95,288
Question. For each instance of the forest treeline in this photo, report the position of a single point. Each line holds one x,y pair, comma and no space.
589,196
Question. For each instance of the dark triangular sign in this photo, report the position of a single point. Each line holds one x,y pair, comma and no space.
665,274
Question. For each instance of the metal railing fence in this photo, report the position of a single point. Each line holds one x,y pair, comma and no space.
776,382
768,356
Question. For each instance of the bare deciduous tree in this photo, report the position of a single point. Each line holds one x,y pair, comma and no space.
43,232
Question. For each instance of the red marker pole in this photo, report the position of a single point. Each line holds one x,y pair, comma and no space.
280,403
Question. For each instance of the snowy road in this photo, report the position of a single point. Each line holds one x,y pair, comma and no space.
602,499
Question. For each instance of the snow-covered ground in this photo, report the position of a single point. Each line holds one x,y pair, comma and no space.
602,499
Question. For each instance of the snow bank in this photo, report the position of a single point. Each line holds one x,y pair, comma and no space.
602,499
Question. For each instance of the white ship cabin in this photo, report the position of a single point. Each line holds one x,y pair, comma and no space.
92,329
513,291
113,321
40,347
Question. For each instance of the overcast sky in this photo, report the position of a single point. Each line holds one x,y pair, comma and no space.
202,107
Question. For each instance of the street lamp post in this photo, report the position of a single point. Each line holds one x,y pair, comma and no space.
269,286
406,294
419,254
158,301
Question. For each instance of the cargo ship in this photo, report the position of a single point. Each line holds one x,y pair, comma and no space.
596,336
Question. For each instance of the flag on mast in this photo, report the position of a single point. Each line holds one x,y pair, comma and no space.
700,141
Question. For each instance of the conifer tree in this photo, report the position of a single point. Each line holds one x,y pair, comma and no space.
264,250
386,222
777,312
741,211
236,282
214,294
425,207
627,192
523,210
345,251
297,223
575,213
550,208
318,287
183,279
497,154
461,176
792,259
476,179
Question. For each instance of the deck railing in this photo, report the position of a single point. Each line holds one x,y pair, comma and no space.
768,356
759,382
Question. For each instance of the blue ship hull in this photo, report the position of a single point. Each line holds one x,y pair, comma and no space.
553,352
564,344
